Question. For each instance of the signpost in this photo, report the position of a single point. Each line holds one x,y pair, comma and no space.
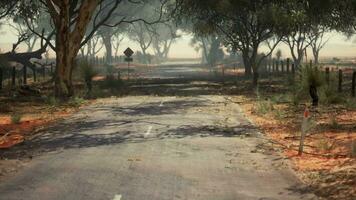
128,53
305,128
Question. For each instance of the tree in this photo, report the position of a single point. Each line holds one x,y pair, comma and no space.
163,38
7,7
279,54
70,20
245,30
141,33
317,41
118,38
92,47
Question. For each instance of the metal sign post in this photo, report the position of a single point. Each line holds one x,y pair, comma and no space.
128,53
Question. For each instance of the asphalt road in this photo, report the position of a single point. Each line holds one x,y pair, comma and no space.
197,147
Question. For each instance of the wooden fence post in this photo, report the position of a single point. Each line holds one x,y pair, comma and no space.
34,75
327,76
43,72
288,63
282,65
293,68
24,71
277,66
340,80
1,78
353,88
13,81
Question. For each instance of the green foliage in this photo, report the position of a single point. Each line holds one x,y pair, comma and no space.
333,122
312,76
52,101
87,70
264,106
111,83
280,98
76,101
351,103
324,145
329,95
16,118
109,70
297,93
353,149
279,114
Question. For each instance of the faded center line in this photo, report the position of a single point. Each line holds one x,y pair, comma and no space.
117,197
148,131
161,105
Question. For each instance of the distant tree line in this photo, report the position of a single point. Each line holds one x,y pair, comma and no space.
244,26
73,28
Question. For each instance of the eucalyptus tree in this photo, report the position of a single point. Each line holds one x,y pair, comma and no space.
318,40
245,25
70,20
165,34
142,34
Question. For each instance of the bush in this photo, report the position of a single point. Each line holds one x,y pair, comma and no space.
353,149
88,72
76,101
311,76
111,83
323,145
329,95
264,106
109,70
16,118
52,101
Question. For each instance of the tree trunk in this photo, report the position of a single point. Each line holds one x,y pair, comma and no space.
247,64
68,40
63,78
205,51
316,56
108,47
255,78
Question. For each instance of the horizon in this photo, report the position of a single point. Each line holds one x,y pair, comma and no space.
338,46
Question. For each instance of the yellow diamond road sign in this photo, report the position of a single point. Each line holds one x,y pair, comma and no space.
128,52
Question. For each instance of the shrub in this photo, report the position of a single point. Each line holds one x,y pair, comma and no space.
353,149
52,101
88,72
16,118
111,83
76,101
329,95
312,79
324,145
264,106
279,114
109,70
333,123
311,76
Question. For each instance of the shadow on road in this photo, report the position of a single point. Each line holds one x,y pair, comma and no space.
56,140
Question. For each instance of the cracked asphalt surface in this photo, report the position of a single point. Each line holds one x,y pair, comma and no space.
148,147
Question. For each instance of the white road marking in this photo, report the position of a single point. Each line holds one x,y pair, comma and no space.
117,197
148,131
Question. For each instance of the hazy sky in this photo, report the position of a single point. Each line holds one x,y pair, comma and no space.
338,45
